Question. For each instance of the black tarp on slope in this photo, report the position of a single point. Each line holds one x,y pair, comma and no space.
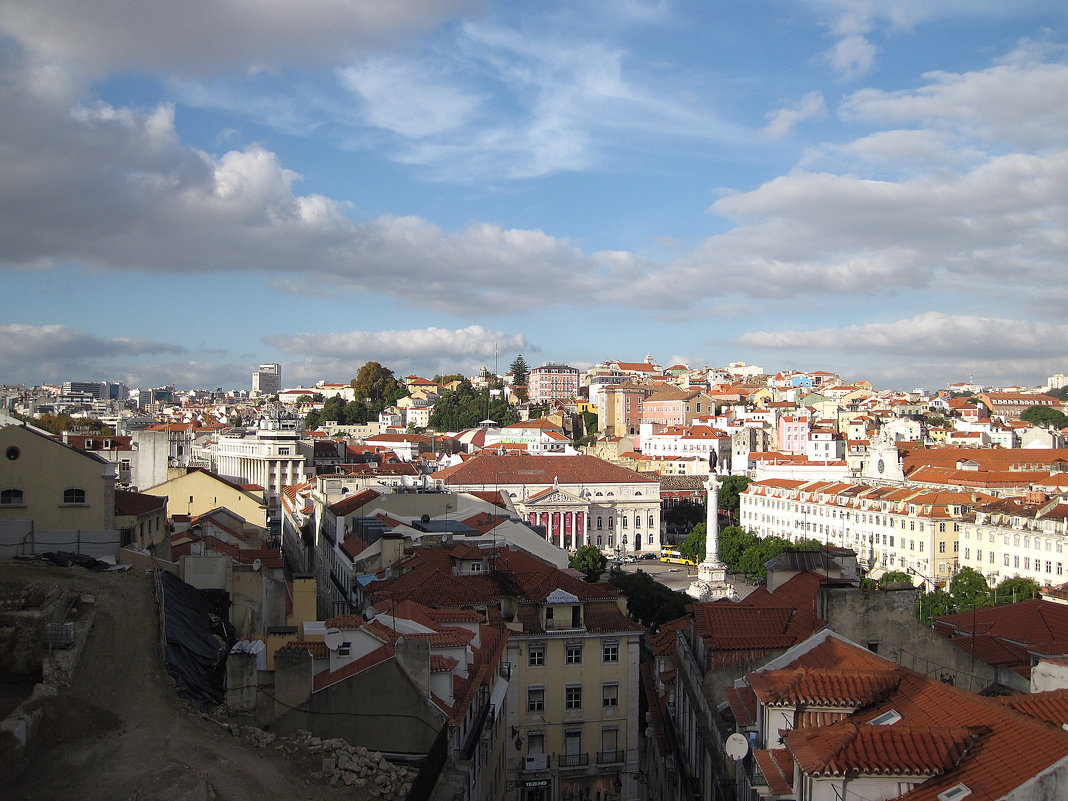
197,637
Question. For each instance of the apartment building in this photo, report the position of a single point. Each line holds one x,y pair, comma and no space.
910,529
572,654
552,382
1021,536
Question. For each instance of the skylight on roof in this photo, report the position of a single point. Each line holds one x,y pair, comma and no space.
955,793
887,719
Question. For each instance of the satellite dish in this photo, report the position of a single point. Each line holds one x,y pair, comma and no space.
256,564
333,638
736,746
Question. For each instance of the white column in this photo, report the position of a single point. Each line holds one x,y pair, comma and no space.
712,519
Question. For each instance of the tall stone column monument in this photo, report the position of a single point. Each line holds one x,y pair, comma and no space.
711,582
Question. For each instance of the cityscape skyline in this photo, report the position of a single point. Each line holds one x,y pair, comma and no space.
874,191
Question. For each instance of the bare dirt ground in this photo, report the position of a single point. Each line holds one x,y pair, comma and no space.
120,733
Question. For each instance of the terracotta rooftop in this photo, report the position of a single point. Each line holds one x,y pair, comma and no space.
848,748
778,769
487,468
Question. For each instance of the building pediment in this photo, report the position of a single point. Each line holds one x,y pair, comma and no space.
553,497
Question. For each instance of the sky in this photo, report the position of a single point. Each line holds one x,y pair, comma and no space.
875,189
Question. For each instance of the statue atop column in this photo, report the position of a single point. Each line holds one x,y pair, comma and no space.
711,582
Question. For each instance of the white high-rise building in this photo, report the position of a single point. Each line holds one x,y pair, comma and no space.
268,379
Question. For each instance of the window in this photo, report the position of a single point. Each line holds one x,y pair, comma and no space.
651,524
941,547
535,699
11,497
573,653
599,527
74,495
536,656
610,652
611,522
573,697
610,695
623,522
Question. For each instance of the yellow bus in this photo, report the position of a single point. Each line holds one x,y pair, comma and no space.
674,557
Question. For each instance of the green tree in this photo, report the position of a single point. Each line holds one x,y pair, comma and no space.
895,576
693,547
934,604
520,371
753,558
649,601
729,490
355,413
969,590
1044,416
589,560
733,542
376,387
1015,589
465,407
442,380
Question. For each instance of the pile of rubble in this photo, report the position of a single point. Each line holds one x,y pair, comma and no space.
355,766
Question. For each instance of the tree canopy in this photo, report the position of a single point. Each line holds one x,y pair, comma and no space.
1044,416
895,577
519,369
969,590
465,407
648,601
1015,589
693,547
589,560
376,387
729,490
58,423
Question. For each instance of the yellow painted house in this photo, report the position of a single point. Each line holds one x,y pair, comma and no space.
199,491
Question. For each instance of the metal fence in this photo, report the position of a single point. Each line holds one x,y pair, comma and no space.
18,538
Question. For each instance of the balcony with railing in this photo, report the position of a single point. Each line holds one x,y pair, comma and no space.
573,760
610,757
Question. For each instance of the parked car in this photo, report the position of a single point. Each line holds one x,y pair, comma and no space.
649,555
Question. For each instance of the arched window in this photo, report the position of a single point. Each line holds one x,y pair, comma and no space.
11,497
611,522
74,495
599,526
637,521
598,540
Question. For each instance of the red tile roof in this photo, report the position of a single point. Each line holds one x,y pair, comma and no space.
778,769
325,679
849,748
488,468
318,650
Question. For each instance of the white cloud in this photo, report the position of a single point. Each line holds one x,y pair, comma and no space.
852,56
951,335
56,352
1022,104
782,121
473,341
201,36
408,98
425,351
931,346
